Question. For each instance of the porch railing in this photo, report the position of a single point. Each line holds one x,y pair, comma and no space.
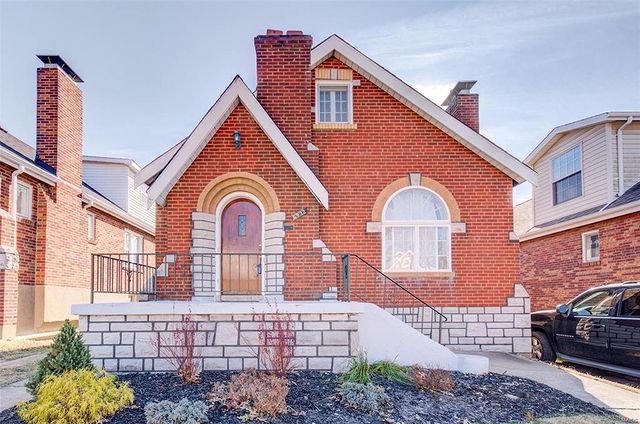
243,276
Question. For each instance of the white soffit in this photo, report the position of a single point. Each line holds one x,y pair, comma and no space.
148,174
483,147
558,132
236,92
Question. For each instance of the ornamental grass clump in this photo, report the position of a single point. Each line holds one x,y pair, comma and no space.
76,397
391,371
359,371
67,353
260,395
183,412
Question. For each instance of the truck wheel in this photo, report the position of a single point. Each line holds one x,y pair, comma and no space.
541,347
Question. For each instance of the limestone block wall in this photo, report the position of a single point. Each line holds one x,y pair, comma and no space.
490,328
225,341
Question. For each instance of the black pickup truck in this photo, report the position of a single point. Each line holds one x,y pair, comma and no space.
598,328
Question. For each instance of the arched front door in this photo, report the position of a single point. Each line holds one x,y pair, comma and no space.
241,238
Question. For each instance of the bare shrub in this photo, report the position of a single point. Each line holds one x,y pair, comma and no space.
260,395
433,380
180,350
277,338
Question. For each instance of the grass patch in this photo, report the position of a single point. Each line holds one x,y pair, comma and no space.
14,349
392,371
359,371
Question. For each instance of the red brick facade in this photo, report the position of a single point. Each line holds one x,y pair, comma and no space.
552,269
354,165
466,108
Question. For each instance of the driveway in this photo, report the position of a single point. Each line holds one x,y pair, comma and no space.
623,399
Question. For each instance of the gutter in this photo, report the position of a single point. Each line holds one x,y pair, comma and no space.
621,155
30,168
14,203
95,202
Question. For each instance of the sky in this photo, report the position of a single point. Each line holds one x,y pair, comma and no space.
153,69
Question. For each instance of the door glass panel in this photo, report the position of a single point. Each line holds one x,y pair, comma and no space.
599,303
242,225
631,303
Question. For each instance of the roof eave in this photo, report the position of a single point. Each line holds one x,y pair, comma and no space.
30,168
105,206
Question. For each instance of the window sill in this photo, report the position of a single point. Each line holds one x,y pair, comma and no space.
591,262
335,126
421,275
92,241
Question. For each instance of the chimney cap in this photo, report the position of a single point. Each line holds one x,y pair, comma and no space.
57,60
462,87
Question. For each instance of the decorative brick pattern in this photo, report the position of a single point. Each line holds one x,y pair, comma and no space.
224,342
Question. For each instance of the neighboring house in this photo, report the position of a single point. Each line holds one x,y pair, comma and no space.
333,154
586,208
523,217
57,208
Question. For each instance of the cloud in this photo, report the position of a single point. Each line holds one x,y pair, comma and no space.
434,92
479,29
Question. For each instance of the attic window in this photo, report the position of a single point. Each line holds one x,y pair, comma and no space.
334,102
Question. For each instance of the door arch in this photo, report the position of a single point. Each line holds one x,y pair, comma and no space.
240,230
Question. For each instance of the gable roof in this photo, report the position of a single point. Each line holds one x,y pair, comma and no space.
559,131
483,147
181,156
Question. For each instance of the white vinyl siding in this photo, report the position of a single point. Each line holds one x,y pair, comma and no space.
109,179
631,154
595,175
137,202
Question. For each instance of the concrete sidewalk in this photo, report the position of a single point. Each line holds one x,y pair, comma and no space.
621,399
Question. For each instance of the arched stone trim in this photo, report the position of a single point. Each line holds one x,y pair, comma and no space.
426,182
232,182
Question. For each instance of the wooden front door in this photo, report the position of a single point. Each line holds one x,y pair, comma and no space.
241,236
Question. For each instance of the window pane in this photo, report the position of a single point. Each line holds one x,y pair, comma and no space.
594,246
416,205
400,248
428,248
91,223
342,114
631,303
568,188
566,164
600,303
325,106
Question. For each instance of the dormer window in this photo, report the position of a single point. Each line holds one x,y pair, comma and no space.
334,102
567,175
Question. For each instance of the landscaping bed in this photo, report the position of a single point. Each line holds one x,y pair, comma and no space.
313,398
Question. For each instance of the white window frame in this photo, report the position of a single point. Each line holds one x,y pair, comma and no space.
416,226
586,247
335,83
91,226
28,205
555,180
127,236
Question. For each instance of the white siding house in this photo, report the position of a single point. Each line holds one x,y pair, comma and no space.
109,176
577,166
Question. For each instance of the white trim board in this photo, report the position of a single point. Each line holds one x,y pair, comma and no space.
237,92
98,202
336,46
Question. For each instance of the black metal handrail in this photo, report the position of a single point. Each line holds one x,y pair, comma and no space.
293,276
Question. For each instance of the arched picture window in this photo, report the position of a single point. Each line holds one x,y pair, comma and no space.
416,232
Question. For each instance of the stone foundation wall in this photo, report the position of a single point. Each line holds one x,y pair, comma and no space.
490,328
323,341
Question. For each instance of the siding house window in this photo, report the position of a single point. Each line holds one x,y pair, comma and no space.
334,103
24,195
416,232
567,175
591,246
133,246
91,227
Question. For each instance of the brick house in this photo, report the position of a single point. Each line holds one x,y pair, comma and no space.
585,228
58,207
332,155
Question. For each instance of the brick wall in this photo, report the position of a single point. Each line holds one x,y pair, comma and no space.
390,142
552,269
466,108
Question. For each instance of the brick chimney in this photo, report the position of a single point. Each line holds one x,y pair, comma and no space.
464,105
284,85
59,119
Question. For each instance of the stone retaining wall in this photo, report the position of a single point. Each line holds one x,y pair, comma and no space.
324,341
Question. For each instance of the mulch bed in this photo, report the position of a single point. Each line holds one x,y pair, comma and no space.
490,398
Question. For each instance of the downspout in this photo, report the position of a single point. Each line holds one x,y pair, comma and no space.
14,202
620,155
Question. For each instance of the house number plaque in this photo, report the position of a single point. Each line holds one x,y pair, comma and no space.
299,214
